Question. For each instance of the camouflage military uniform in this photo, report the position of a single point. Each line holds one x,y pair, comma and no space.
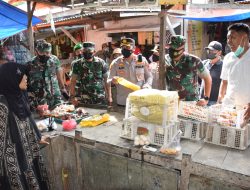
183,70
183,76
91,80
43,87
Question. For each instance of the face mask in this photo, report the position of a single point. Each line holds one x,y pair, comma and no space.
239,51
79,56
155,58
175,53
126,52
211,55
43,58
88,55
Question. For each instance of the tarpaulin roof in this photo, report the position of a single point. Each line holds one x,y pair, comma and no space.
217,15
13,20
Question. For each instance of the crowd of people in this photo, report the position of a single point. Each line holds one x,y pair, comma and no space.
40,81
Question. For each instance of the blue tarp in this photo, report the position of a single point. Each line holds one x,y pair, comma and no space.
218,15
13,20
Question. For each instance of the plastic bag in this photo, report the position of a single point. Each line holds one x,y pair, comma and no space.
174,147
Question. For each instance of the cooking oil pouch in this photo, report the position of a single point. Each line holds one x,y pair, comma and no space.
94,120
122,81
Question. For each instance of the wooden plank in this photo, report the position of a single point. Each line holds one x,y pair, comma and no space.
69,35
158,178
198,182
70,164
56,155
95,169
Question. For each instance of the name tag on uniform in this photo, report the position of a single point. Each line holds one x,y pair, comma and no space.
139,66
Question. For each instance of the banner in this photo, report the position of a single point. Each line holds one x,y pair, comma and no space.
194,33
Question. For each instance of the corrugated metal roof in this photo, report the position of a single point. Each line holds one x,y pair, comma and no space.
79,16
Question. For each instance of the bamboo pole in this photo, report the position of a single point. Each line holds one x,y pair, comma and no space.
30,29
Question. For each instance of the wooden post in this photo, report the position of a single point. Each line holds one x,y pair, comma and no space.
163,23
30,29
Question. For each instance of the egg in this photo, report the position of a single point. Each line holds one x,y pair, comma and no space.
137,138
136,143
141,142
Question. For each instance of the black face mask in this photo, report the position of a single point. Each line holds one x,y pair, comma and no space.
88,55
211,55
126,52
79,56
155,58
175,53
43,58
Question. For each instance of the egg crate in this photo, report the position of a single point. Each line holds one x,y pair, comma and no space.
152,113
191,129
158,135
190,110
238,138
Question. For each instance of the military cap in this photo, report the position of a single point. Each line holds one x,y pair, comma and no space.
89,45
77,46
214,45
43,46
177,41
127,42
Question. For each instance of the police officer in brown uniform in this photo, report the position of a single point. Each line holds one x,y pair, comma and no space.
131,67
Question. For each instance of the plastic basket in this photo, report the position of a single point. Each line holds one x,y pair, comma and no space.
154,111
189,109
191,129
238,138
158,135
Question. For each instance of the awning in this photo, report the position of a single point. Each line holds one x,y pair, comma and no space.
216,15
13,20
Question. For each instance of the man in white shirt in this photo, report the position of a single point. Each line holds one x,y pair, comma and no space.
235,86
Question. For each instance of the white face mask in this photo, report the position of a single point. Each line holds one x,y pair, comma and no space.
239,51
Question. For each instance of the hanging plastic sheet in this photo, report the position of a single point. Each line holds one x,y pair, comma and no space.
13,20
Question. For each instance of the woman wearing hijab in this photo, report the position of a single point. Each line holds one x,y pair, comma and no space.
21,165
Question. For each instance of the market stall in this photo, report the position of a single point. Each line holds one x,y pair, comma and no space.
101,157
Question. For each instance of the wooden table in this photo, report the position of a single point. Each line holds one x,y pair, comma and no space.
97,158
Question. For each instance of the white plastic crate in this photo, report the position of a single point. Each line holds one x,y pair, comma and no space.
153,106
191,129
238,138
158,135
189,109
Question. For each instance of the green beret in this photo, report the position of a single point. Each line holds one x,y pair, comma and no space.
77,46
177,41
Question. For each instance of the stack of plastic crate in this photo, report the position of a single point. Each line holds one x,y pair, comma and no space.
224,128
155,110
192,120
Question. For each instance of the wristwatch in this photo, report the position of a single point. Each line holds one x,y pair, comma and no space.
206,98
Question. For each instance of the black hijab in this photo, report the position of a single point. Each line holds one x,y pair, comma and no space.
11,75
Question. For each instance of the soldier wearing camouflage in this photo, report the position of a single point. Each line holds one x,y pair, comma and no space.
183,70
43,79
91,72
